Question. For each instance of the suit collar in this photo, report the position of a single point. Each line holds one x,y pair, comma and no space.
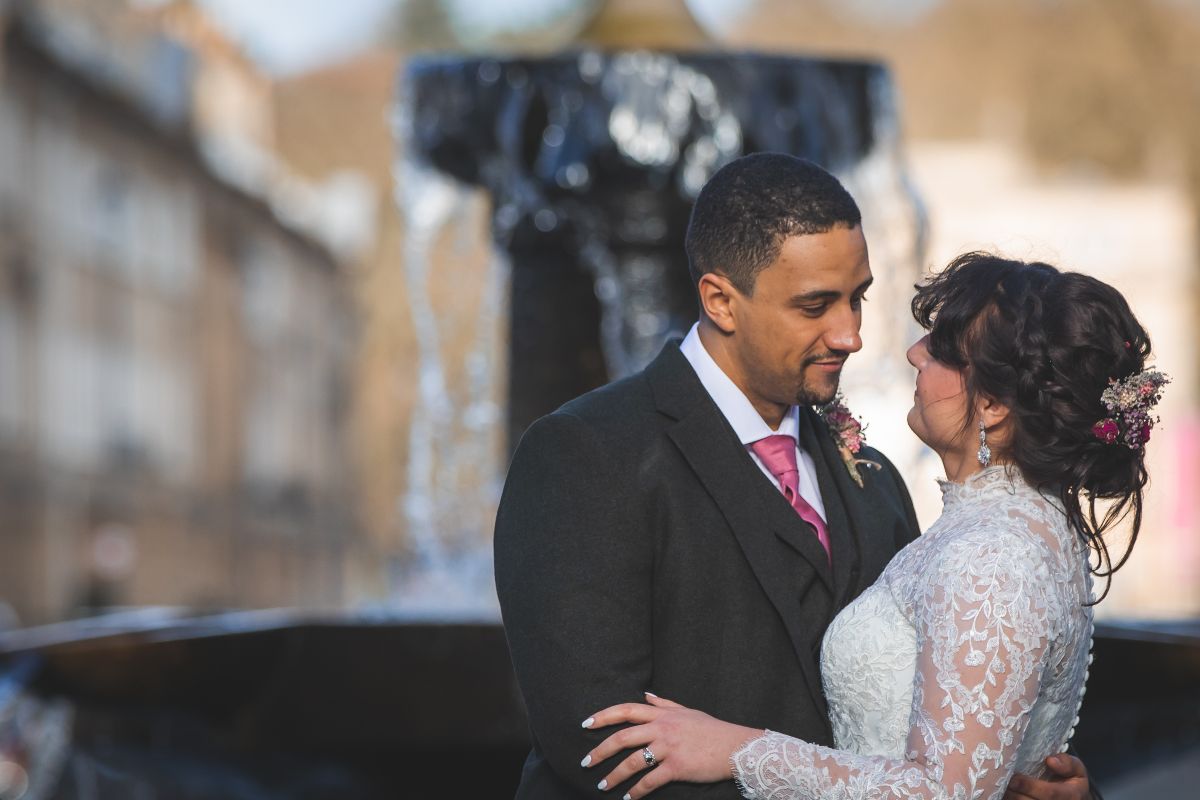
673,383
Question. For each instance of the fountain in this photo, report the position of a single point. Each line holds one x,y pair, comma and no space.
590,161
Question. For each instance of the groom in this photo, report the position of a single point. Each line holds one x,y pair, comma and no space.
659,534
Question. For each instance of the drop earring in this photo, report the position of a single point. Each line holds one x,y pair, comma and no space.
985,453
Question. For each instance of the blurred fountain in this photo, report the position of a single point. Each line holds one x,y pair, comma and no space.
455,462
591,160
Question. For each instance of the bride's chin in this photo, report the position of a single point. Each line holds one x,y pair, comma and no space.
912,424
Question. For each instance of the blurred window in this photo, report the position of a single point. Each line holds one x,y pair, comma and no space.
168,243
13,414
166,410
266,289
68,418
111,217
56,185
13,154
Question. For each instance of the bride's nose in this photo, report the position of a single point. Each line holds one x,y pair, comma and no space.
919,352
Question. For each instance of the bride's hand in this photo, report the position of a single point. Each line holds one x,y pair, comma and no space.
687,745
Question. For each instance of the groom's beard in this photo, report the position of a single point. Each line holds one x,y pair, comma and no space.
811,396
822,390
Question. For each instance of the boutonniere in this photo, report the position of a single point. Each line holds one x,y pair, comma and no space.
847,433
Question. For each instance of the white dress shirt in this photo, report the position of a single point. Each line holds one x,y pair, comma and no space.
747,423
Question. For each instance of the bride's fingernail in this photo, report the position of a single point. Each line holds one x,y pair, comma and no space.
652,694
587,761
587,723
627,797
602,785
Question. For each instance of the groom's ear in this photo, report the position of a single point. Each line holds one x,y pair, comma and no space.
716,298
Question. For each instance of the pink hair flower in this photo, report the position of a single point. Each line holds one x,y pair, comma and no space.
1106,430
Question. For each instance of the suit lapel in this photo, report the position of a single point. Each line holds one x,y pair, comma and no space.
829,468
757,515
850,512
746,498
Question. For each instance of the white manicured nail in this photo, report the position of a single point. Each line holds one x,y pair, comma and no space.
627,797
587,761
602,785
652,694
587,723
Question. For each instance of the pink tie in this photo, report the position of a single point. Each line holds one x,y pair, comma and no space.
778,454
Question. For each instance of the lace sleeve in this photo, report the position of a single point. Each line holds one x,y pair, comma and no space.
983,614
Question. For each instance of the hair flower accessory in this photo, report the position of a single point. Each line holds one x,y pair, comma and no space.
1129,402
847,434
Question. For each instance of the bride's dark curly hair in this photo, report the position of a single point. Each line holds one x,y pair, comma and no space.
1045,344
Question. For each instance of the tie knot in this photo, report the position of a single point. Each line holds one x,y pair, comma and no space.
778,454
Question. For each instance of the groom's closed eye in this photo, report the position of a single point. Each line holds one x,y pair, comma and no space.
812,309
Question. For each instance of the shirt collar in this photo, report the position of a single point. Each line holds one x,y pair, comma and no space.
747,423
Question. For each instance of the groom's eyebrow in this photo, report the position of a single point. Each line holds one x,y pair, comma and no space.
830,294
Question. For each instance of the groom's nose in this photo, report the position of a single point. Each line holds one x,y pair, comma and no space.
843,332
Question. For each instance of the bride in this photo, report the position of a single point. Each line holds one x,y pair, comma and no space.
966,661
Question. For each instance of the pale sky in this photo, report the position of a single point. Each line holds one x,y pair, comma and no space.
288,36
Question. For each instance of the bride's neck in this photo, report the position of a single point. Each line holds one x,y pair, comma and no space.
960,466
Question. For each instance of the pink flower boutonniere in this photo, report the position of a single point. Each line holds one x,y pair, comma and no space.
847,433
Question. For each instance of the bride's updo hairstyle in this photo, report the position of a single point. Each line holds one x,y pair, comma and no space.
1045,344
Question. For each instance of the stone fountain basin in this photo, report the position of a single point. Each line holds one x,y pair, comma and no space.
391,703
383,702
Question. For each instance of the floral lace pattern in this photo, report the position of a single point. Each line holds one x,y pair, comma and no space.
965,662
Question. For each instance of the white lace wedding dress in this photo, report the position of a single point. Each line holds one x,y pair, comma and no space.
963,663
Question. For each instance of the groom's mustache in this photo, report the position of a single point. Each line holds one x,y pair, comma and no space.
833,355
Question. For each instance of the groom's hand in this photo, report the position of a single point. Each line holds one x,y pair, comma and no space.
1069,781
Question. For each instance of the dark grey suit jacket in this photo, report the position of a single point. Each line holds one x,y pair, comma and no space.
639,548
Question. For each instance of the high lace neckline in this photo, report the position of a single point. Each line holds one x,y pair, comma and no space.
989,480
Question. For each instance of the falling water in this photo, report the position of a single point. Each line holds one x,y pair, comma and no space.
455,452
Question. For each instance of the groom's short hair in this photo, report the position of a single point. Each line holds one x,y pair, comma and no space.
751,205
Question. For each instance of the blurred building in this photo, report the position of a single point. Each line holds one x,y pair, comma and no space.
175,333
333,126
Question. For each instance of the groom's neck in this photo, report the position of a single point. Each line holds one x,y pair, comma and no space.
720,347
